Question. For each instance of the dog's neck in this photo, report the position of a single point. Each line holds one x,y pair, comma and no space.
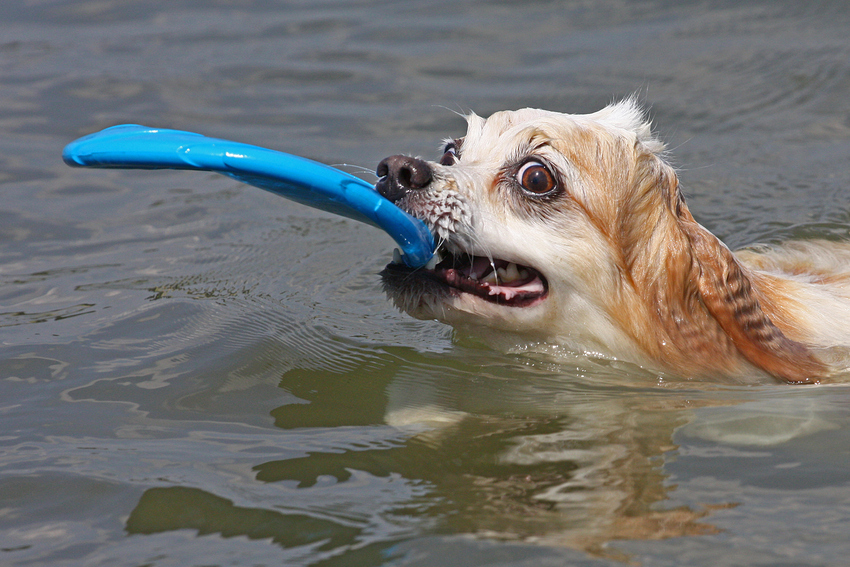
687,300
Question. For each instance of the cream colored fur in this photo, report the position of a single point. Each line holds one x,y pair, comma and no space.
630,274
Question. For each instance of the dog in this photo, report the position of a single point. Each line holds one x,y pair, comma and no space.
572,230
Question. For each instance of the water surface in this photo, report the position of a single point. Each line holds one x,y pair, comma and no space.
194,372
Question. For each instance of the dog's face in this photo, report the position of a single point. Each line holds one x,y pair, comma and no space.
535,216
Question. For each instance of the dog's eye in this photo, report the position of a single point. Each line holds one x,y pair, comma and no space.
449,155
535,178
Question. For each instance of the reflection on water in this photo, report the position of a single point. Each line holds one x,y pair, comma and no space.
521,456
576,473
194,372
180,508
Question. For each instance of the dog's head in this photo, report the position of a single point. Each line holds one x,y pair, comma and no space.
539,216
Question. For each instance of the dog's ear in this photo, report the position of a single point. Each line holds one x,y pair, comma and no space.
629,115
653,174
727,292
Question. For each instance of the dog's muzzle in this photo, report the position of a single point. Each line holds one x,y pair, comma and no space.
399,175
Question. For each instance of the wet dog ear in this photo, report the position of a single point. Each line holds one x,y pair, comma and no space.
653,174
629,115
727,292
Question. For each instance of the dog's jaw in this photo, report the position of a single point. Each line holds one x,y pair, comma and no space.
477,279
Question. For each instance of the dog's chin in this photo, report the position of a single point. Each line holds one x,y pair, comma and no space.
465,290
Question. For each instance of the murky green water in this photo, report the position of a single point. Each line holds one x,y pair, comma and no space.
194,372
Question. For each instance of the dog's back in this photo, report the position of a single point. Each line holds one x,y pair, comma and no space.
806,288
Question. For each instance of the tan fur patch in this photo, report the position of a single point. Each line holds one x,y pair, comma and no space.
728,293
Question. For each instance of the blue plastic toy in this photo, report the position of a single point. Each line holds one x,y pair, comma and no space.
308,182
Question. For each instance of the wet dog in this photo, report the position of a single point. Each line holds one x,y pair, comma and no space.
572,230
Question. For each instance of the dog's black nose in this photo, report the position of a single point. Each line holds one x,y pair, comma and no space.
398,175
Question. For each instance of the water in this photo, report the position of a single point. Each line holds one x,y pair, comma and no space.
194,372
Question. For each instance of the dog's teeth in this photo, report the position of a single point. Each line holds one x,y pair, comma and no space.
490,278
501,274
435,259
397,256
523,274
511,272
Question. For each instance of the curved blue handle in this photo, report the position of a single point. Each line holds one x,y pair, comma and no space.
131,146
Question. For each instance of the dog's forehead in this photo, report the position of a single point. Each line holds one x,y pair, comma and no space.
624,120
491,139
511,126
512,121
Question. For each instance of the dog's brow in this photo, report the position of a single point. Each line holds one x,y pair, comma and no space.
524,150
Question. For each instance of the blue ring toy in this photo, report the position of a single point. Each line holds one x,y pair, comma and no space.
317,185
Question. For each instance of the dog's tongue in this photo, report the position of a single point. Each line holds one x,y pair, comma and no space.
308,182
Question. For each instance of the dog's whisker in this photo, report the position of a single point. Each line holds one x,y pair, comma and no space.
360,168
460,112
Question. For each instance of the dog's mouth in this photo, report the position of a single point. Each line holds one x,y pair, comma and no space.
491,279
